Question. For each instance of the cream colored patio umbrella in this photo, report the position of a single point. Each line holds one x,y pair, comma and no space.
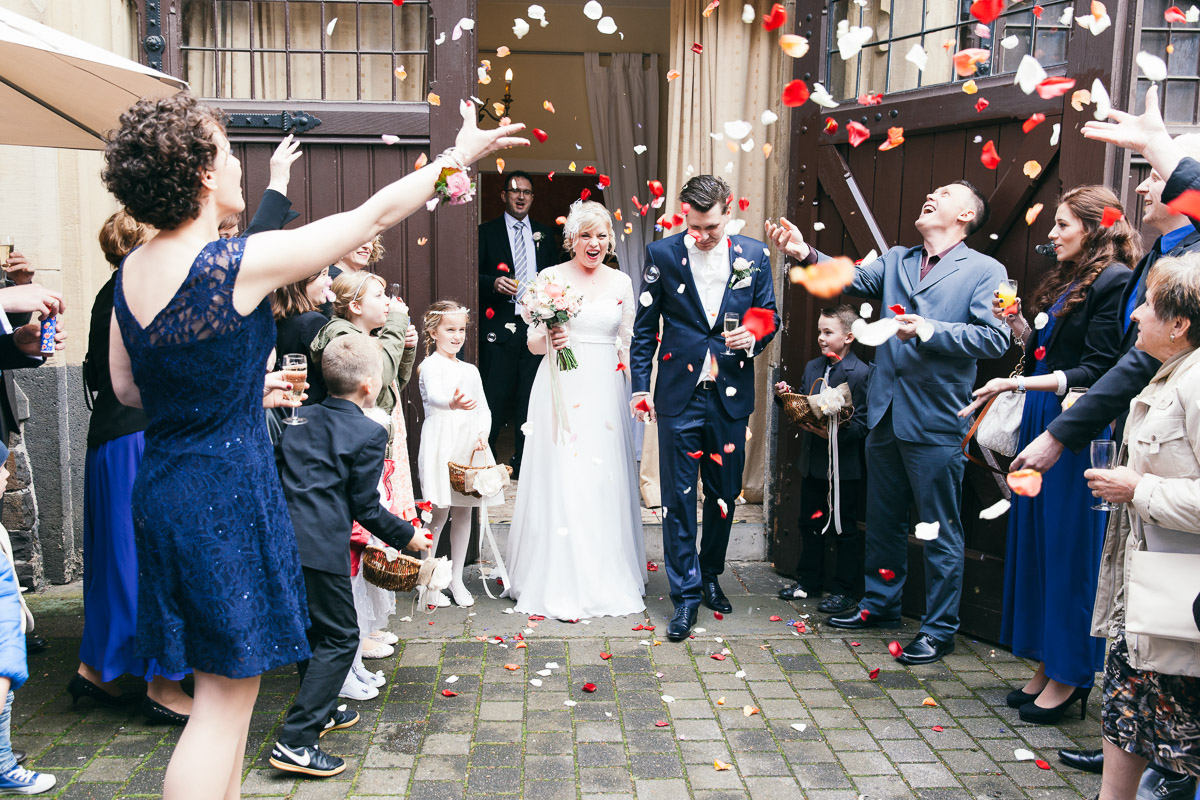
59,91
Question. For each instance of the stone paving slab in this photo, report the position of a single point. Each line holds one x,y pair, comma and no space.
792,714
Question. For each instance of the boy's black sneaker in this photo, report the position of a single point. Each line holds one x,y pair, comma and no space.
837,603
341,719
306,760
798,591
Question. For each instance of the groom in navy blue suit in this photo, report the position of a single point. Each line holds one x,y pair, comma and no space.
703,397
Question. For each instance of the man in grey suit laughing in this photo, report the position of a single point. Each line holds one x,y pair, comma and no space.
923,376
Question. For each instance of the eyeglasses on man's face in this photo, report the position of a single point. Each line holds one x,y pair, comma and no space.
521,192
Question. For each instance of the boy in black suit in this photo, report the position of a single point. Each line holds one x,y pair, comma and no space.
837,365
330,470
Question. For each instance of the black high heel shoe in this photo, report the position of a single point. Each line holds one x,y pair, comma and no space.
158,714
1032,712
1017,698
80,686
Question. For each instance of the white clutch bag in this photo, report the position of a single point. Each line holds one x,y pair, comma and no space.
1159,592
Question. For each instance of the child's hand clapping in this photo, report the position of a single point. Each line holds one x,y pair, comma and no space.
460,402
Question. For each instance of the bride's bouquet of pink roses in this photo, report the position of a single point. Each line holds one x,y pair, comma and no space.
551,303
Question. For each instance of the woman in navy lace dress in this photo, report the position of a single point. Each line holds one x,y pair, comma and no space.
220,585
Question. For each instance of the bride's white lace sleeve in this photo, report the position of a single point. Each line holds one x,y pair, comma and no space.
628,312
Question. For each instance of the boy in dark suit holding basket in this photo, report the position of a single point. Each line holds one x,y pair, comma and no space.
330,469
836,365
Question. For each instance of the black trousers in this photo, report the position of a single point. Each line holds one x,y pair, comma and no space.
333,639
847,576
508,372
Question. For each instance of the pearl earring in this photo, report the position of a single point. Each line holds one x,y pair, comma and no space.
1172,337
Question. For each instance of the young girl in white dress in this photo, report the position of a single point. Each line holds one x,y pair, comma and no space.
456,426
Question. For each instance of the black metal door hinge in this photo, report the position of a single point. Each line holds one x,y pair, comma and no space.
295,122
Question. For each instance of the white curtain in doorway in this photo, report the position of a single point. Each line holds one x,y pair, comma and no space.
623,100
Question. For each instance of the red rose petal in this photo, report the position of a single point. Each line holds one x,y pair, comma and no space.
585,193
697,48
489,313
620,367
937,728
858,133
864,614
744,203
775,618
759,322
647,627
1174,14
661,723
448,693
981,104
1033,121
541,135
656,188
896,309
718,615
989,157
1042,764
873,674
1055,87
817,514
1110,217
717,458
795,93
589,687
1039,353
717,656
887,574
729,448
895,649
651,566
856,644
986,11
1187,203
1037,11
589,170
502,267
642,405
638,627
605,181
831,125
606,656
776,19
695,453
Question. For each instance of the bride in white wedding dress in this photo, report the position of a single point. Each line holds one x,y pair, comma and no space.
575,547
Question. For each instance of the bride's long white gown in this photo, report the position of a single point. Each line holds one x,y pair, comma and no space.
575,548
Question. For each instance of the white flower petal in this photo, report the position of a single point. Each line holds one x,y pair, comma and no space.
520,28
646,299
769,117
1023,755
865,311
1009,42
799,726
1152,66
925,331
593,10
329,28
666,698
1192,14
535,682
875,333
927,531
1029,74
738,129
995,510
818,226
1055,133
639,148
918,56
748,14
607,25
1101,100
820,95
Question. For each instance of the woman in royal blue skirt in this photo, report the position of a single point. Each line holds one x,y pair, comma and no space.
1054,539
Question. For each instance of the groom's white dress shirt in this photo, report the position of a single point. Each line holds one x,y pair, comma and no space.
711,272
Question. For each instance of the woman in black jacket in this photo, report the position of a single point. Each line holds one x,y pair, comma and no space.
1054,539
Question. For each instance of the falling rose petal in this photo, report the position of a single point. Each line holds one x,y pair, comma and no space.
540,135
1193,14
1080,98
989,157
329,28
874,334
718,615
433,99
1110,217
1054,134
887,574
1022,754
1009,42
820,95
1174,14
981,104
831,125
850,39
520,28
793,46
873,674
697,48
795,93
607,26
1039,353
390,139
776,18
1025,482
738,129
864,614
646,300
1033,122
995,510
710,8
895,139
1153,67
593,10
986,11
672,74
967,60
1065,19
1029,74
449,693
983,31
970,87
421,242
759,322
895,649
1032,169
1101,100
1032,213
926,531
1041,764
918,56
858,133
1056,87
1188,203
748,14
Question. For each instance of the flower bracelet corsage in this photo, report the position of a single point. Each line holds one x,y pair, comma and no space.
453,184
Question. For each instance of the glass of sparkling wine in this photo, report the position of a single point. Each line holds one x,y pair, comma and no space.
6,248
1007,292
732,320
1104,456
295,372
394,291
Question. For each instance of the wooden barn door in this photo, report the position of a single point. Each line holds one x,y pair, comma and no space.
339,75
867,199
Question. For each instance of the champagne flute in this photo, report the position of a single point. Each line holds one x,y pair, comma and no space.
6,248
732,320
394,291
295,372
1104,456
1007,292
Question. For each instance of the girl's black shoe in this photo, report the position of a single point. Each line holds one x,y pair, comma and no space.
80,686
1032,712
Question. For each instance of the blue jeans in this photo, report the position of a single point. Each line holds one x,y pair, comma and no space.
7,759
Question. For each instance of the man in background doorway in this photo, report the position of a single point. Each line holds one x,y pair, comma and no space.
512,249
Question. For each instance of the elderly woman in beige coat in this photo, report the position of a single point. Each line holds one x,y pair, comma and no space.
1151,697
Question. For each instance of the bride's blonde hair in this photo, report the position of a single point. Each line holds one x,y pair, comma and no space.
586,215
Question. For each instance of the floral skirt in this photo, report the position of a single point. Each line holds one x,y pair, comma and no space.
1149,714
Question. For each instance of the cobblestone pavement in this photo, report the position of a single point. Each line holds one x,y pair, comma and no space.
824,728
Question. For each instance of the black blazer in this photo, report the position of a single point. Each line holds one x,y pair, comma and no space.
494,250
1087,342
1108,398
330,471
814,453
110,419
274,211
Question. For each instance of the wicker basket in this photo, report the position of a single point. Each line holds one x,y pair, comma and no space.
800,408
458,475
397,576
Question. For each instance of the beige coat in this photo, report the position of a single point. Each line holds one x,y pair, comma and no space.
1162,443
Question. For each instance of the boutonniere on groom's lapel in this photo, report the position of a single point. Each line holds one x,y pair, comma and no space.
537,237
743,269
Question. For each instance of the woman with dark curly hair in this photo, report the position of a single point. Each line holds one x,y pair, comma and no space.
1054,540
221,588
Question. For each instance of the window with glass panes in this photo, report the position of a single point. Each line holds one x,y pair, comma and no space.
1178,44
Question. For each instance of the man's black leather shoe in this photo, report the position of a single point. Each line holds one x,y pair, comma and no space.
1156,786
714,598
680,626
838,604
1086,760
852,619
35,644
925,650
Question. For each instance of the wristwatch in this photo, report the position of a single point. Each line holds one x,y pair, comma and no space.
1020,383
